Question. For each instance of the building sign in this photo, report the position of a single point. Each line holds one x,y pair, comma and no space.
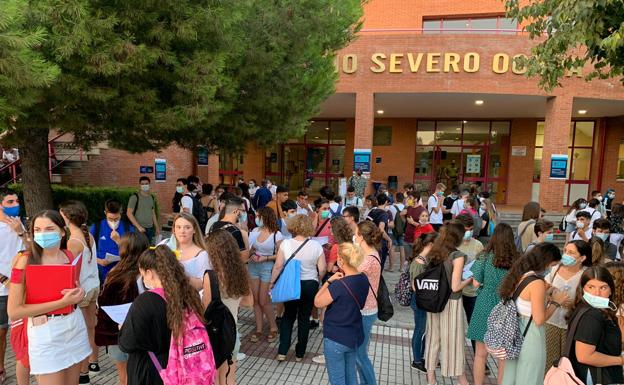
558,166
362,160
146,169
473,164
518,150
202,156
161,170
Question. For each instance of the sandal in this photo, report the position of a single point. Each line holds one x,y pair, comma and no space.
272,336
256,337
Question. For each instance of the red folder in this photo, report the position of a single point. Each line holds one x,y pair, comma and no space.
44,283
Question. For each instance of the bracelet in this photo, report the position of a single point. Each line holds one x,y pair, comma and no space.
557,304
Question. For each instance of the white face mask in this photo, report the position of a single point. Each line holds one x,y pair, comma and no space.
113,224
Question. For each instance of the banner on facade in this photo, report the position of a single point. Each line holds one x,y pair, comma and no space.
362,159
558,166
160,166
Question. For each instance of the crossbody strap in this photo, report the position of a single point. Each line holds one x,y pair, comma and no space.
369,284
290,259
525,228
322,227
350,292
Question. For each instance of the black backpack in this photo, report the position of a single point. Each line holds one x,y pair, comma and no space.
385,310
399,223
198,212
433,287
220,324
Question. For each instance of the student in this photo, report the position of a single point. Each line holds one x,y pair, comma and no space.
460,203
528,368
570,217
471,208
187,239
358,182
264,242
593,208
177,196
341,233
152,321
262,195
235,292
418,263
602,230
142,210
450,347
233,213
290,208
75,215
449,202
530,214
397,240
56,345
321,220
379,216
351,214
583,229
435,207
543,230
411,213
423,226
303,207
281,196
597,348
597,195
208,200
344,295
313,267
351,199
489,269
107,234
120,288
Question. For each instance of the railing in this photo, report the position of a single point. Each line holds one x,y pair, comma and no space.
11,169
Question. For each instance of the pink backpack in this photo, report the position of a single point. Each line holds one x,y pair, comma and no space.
562,372
191,361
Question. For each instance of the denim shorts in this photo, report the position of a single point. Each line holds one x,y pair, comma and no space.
116,354
261,271
397,241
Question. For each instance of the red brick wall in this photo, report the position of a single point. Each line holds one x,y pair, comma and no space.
398,158
519,181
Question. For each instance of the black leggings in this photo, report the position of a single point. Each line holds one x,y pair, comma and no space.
300,310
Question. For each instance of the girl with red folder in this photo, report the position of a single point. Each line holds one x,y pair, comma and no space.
57,343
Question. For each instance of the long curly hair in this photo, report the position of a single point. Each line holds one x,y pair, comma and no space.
617,272
131,246
536,260
502,246
370,233
421,242
269,219
181,296
599,273
449,238
341,230
226,261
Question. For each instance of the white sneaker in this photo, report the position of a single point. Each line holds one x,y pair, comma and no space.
241,356
319,359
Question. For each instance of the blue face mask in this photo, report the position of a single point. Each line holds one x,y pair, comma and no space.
595,301
48,239
243,217
567,260
549,237
468,235
11,211
546,271
259,222
604,237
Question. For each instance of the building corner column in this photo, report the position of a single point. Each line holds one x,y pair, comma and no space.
364,122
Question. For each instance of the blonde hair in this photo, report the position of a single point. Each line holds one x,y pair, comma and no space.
198,235
351,254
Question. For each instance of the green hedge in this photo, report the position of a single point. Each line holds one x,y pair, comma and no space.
93,197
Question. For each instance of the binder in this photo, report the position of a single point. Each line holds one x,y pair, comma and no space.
44,283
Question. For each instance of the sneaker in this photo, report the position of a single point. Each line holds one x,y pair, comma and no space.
298,359
94,367
281,357
84,379
314,324
420,366
241,356
319,359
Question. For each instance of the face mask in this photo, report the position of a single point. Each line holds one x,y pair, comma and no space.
595,301
440,193
113,224
410,202
324,214
567,260
179,189
11,211
453,196
611,196
145,187
602,236
582,206
467,235
599,199
48,240
252,185
259,222
243,217
580,225
546,271
290,215
549,237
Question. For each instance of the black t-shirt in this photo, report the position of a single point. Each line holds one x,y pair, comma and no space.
448,204
379,216
145,330
232,229
486,219
595,329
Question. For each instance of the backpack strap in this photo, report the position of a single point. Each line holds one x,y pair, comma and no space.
572,330
531,221
318,231
215,294
525,282
274,242
369,284
290,259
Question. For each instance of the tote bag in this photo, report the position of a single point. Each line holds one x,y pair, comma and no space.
287,285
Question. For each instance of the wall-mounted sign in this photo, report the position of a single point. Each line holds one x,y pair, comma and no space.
160,165
362,160
518,150
146,169
473,164
202,156
558,166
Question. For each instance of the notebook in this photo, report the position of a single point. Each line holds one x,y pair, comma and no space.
44,283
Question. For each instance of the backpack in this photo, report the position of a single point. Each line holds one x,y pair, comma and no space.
399,223
402,289
433,287
220,324
562,223
191,361
503,339
337,213
385,311
198,212
518,237
562,372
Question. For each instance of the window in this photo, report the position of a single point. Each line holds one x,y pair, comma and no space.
382,136
480,25
620,166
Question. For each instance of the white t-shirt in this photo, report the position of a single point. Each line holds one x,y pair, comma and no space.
213,219
434,218
266,247
333,206
577,237
302,210
197,266
10,245
187,203
355,201
308,256
457,208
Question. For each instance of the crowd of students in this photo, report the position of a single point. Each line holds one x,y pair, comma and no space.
340,248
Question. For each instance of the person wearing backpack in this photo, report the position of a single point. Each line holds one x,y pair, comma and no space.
597,342
569,220
142,210
233,293
530,214
191,204
448,340
368,237
397,230
154,324
533,310
488,271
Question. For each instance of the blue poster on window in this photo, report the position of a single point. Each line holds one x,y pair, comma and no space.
160,167
362,160
558,166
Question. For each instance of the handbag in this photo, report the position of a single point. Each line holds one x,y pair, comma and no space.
287,285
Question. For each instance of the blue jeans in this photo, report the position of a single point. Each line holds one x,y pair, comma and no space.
364,364
150,233
420,324
340,363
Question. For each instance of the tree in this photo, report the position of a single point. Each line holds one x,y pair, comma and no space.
576,32
145,74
